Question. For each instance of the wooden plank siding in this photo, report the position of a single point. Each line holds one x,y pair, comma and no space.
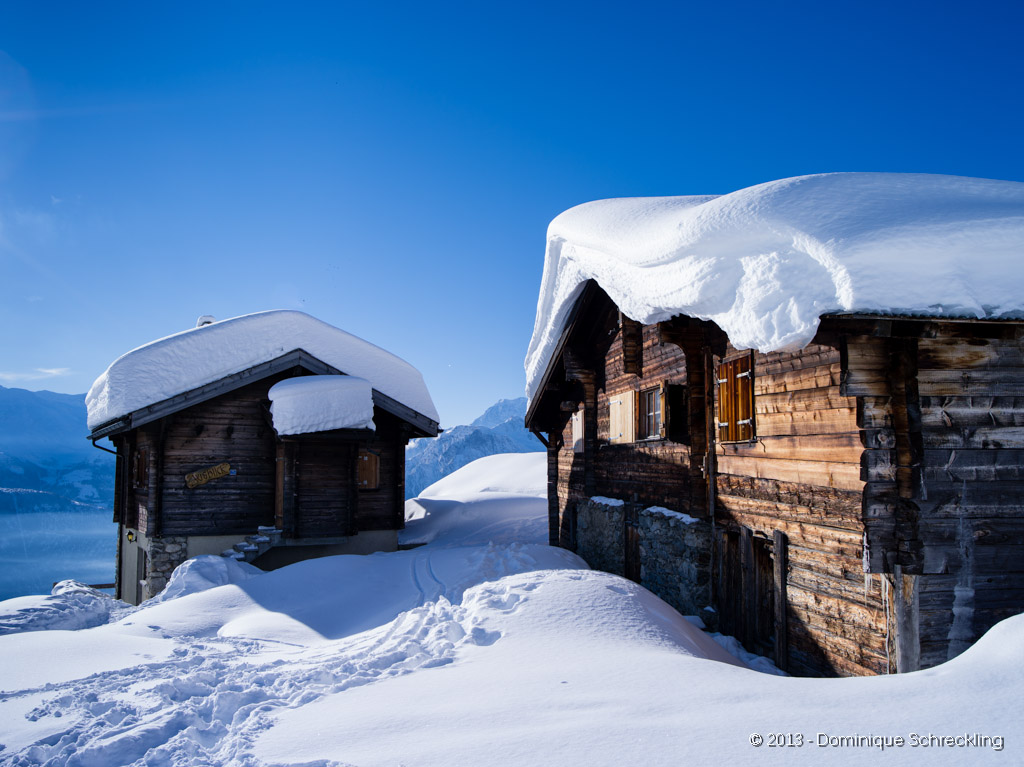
887,463
947,510
233,429
656,471
802,477
384,508
569,489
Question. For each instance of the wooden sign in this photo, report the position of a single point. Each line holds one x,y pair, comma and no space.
197,478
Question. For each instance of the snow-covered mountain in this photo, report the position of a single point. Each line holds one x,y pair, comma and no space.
499,430
43,449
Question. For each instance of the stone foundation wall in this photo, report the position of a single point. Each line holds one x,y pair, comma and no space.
164,554
675,559
674,549
599,535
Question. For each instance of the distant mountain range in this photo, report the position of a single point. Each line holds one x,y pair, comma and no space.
46,462
499,430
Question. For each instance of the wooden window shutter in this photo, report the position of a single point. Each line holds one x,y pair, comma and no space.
736,399
662,425
615,420
577,431
629,416
744,397
368,476
621,418
140,469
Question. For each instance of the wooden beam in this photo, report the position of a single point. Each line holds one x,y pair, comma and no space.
780,557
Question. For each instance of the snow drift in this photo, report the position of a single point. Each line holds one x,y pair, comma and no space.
492,654
496,499
766,262
321,403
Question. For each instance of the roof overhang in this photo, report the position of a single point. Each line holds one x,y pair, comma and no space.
589,292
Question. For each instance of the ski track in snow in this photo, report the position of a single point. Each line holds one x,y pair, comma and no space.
210,703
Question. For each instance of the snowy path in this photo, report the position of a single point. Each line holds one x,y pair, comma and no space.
209,701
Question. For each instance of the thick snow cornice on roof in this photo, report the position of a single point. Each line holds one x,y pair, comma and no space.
184,361
321,403
766,262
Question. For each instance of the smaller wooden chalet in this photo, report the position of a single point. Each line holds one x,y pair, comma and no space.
851,503
273,436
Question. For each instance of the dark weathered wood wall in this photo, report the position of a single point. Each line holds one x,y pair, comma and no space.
325,503
318,473
904,435
384,508
802,476
942,411
233,428
655,472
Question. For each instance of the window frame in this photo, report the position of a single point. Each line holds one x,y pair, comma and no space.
735,414
650,425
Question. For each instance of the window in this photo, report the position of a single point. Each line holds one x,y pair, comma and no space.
736,399
649,415
368,463
661,412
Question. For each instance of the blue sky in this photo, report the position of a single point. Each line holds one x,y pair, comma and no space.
391,169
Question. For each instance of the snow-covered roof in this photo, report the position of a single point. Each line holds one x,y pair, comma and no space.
193,358
766,262
321,403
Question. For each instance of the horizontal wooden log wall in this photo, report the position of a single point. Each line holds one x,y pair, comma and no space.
656,472
945,500
384,508
802,476
232,429
568,466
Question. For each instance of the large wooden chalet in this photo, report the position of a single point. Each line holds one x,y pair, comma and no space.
207,468
851,507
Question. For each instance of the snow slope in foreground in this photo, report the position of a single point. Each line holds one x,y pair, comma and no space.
492,654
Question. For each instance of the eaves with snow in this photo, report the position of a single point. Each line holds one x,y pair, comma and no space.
766,262
163,371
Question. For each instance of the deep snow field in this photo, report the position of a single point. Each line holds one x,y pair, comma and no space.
482,647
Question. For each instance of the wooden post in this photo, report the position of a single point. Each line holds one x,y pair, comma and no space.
399,501
780,555
289,489
555,444
749,570
352,456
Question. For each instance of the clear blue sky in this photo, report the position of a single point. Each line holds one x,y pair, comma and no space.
392,168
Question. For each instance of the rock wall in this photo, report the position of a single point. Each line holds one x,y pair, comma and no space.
599,535
674,550
675,559
165,553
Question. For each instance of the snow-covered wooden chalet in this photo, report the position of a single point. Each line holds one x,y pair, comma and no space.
274,436
796,409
